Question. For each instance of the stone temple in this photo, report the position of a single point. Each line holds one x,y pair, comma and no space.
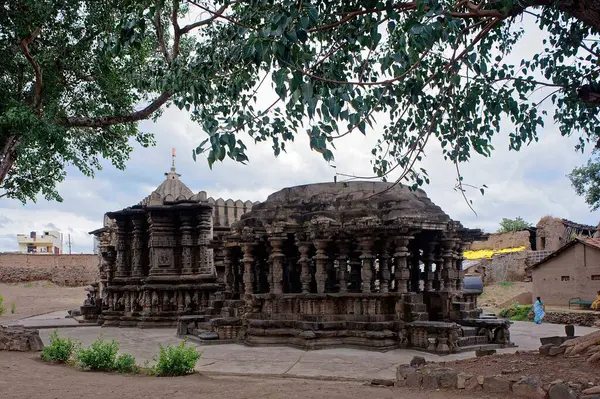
361,264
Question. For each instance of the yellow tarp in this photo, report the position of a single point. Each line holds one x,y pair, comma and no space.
488,253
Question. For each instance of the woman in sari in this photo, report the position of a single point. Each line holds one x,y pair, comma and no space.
596,303
538,311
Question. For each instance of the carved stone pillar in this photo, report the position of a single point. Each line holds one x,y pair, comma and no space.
161,243
438,281
248,260
187,244
304,262
204,261
320,262
137,248
276,258
459,265
384,265
402,273
121,247
366,247
342,259
428,259
228,263
447,271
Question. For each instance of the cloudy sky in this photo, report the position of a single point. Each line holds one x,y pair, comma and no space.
531,183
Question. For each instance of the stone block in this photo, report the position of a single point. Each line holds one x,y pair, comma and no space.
484,352
418,361
556,350
528,387
414,380
545,349
496,385
448,379
461,380
472,384
208,335
20,339
403,371
561,391
431,381
383,383
592,391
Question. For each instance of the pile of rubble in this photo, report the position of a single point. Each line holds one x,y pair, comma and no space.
587,346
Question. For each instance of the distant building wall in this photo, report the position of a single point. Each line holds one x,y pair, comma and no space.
72,270
572,273
511,239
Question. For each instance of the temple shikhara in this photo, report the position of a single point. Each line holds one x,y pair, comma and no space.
361,264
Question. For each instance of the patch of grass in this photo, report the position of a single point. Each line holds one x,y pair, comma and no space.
60,349
99,356
507,284
2,308
13,308
28,285
518,312
125,364
175,360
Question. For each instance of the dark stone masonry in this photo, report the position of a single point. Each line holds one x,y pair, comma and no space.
360,264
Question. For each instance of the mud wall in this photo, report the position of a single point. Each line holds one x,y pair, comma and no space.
495,241
71,270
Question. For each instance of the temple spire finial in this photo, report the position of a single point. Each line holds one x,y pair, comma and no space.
172,175
173,158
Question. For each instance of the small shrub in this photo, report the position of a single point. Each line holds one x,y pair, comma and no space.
125,364
176,360
100,355
2,308
60,349
518,312
13,308
507,283
28,285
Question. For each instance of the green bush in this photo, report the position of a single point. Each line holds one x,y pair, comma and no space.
2,308
100,355
518,312
60,349
176,360
13,308
125,364
507,284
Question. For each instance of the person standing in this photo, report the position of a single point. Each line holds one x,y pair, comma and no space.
539,311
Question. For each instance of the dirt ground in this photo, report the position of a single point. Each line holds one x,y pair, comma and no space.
24,376
568,369
38,297
495,295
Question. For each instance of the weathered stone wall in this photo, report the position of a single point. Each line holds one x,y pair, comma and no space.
495,241
550,234
20,339
577,319
502,267
71,270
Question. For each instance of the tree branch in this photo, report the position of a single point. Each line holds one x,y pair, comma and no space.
39,84
160,34
116,119
215,15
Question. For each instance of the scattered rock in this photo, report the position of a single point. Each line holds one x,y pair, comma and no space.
484,352
575,386
480,379
414,380
461,380
591,391
208,335
545,349
449,379
403,371
308,334
556,350
472,384
556,382
431,381
496,385
417,361
20,339
561,391
383,383
528,387
589,397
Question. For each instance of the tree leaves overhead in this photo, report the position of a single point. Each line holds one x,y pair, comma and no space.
427,72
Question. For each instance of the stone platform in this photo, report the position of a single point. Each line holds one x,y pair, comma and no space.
338,363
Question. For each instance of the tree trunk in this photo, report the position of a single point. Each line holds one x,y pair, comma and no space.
8,156
587,11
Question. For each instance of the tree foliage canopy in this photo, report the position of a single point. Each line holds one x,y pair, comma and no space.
517,224
423,69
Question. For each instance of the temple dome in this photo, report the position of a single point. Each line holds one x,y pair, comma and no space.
347,204
172,189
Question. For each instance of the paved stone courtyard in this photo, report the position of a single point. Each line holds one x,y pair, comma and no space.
341,363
